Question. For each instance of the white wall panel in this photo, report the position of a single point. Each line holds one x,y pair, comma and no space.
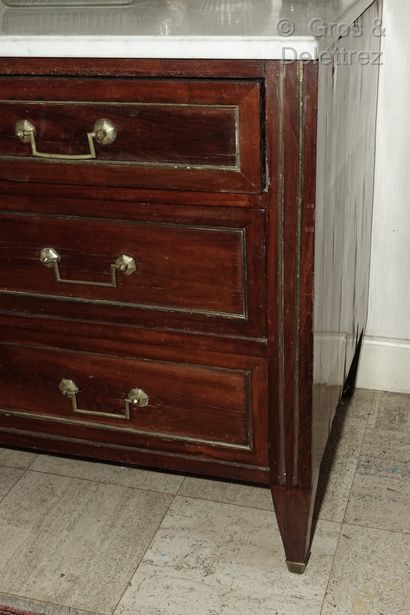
389,315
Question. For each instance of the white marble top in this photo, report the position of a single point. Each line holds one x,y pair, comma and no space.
209,29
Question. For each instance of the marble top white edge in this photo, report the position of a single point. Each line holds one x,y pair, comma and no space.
207,48
60,32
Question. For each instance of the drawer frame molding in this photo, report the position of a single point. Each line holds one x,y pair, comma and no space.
91,158
139,432
138,397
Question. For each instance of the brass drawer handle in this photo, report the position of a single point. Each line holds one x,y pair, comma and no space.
50,258
136,398
104,132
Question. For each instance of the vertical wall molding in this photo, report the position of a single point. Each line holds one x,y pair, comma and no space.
389,313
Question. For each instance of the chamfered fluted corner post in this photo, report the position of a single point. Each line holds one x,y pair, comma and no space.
292,92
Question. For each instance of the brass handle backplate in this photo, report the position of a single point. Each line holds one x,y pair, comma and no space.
136,398
50,258
104,132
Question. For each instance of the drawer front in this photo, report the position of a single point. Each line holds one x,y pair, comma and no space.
186,134
191,273
218,410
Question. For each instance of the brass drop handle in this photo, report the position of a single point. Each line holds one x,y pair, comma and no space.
50,258
136,398
104,132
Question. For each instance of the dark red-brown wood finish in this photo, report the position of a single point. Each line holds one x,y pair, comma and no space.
292,171
202,135
196,269
211,188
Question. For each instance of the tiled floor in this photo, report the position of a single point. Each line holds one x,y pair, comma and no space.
80,537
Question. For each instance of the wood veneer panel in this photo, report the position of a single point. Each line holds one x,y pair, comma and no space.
195,268
197,135
95,67
142,457
216,409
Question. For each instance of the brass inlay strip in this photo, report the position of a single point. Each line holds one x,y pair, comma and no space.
237,139
114,103
249,410
299,214
153,434
159,308
119,163
130,448
281,279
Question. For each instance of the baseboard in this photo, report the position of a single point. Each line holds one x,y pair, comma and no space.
385,365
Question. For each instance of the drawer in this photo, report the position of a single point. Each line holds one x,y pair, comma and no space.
167,272
218,410
173,134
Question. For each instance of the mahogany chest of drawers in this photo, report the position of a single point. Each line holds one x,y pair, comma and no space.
184,264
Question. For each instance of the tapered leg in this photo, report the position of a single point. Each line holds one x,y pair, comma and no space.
294,512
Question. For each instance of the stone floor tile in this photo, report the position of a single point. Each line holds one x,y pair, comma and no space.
370,575
108,473
227,492
14,458
8,478
339,465
210,558
42,608
380,495
72,542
